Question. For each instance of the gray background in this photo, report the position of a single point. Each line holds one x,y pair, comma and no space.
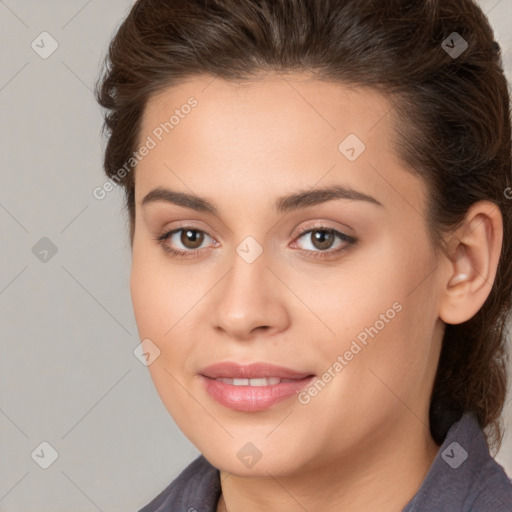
68,375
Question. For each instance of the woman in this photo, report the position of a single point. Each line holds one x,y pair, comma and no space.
320,218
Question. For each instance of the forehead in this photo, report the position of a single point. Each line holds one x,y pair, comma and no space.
273,102
276,131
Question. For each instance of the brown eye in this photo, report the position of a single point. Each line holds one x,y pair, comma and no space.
186,241
321,242
191,238
322,238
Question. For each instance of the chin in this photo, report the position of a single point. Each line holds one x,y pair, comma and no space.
247,459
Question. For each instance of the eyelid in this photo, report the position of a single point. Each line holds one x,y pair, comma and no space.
299,233
335,232
347,242
322,224
316,225
168,233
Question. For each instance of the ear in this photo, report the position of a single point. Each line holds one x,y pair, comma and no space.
470,265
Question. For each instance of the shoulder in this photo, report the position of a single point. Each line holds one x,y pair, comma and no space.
195,489
464,476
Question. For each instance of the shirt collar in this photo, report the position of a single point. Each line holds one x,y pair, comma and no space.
458,471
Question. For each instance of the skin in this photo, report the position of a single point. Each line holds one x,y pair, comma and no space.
363,442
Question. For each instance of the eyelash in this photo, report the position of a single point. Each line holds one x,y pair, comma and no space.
350,242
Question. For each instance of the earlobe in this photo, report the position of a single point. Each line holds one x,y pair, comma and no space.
472,264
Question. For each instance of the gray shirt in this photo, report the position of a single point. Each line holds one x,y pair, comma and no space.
463,478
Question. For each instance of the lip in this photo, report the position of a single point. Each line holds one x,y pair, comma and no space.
252,398
232,370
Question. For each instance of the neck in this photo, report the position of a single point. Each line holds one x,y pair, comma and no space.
382,475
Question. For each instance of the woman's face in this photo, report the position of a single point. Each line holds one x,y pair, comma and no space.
341,287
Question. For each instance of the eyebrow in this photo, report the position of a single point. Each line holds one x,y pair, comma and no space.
297,201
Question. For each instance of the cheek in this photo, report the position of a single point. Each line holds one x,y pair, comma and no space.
352,297
144,292
155,295
163,299
160,314
382,300
399,355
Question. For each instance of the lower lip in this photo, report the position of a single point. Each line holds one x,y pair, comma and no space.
252,398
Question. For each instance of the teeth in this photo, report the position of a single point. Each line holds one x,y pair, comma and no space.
270,381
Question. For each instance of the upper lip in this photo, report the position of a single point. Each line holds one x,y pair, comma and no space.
232,370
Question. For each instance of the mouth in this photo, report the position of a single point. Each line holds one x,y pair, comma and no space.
270,381
251,372
253,387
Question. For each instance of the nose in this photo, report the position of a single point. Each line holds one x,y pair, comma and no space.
250,300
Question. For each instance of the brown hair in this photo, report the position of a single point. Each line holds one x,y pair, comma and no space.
452,123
